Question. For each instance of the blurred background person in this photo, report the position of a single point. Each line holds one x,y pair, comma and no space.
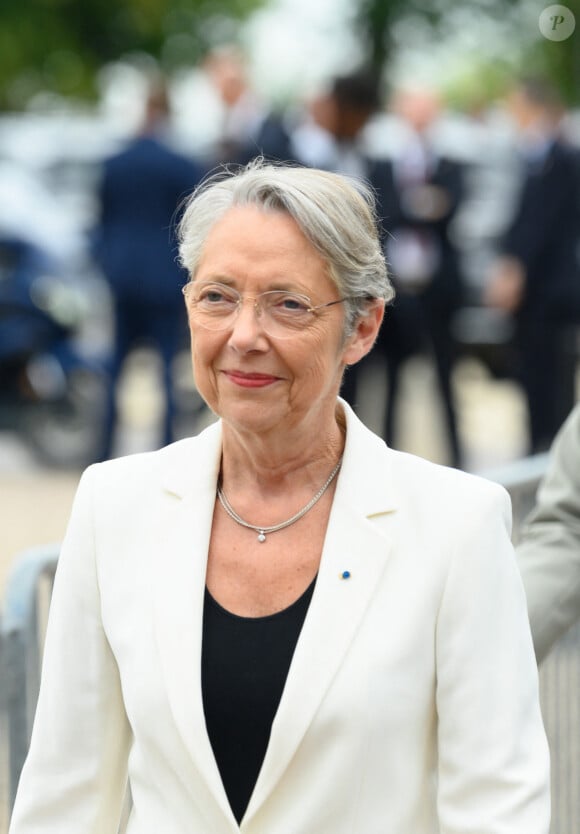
549,548
420,199
140,192
419,192
249,126
312,137
332,136
535,278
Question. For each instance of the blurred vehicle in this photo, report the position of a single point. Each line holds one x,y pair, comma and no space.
51,389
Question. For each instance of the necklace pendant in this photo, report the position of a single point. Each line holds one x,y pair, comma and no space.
261,531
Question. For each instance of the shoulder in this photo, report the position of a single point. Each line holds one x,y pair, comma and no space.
422,492
451,163
380,171
137,468
563,162
175,468
571,428
450,169
459,525
563,150
564,462
445,489
126,151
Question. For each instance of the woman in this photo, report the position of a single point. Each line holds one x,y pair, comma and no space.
281,625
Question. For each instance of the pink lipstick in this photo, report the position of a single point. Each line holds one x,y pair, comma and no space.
250,380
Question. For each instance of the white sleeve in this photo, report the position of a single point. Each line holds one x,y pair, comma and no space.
75,775
493,753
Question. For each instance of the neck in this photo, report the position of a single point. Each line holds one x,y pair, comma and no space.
271,463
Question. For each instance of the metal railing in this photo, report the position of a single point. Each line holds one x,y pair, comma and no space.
22,631
22,634
22,639
560,671
521,479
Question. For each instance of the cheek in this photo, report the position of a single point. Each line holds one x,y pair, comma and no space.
203,352
321,359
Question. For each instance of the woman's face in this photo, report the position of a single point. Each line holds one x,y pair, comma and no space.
253,381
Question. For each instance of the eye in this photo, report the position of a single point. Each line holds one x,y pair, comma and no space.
287,303
216,295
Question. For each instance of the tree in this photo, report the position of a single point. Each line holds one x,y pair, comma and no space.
60,45
560,60
378,21
375,20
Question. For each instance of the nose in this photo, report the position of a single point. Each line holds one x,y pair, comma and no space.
246,329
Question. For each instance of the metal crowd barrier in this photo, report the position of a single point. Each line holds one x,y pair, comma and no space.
22,638
22,631
521,479
560,671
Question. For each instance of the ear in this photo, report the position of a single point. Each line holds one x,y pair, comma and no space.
365,334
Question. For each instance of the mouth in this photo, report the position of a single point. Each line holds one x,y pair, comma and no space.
250,380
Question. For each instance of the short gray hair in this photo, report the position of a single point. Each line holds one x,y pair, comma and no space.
336,213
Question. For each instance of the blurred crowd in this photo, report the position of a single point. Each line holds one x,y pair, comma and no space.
481,228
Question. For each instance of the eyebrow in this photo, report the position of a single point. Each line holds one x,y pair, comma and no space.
277,285
216,279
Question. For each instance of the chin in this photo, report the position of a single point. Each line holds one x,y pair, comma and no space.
249,415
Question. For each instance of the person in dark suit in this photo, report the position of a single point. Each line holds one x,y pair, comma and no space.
330,137
139,194
536,277
420,192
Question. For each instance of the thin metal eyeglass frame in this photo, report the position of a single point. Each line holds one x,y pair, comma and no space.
258,308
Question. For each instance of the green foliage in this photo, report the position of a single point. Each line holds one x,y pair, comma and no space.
374,19
559,61
481,82
59,45
486,77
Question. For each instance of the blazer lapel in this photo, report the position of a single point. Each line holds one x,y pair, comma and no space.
191,476
353,544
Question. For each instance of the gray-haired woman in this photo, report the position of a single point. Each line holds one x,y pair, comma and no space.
281,625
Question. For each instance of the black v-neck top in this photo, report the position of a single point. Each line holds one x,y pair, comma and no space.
244,665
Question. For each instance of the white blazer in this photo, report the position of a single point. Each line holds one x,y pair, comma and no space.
411,704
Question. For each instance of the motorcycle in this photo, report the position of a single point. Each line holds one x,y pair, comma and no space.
51,390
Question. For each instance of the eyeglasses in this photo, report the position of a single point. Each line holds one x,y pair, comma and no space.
282,314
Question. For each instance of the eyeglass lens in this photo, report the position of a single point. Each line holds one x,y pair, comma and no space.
281,313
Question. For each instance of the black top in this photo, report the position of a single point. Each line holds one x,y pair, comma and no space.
244,665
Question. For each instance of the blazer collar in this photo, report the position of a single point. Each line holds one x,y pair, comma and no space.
354,542
191,466
189,472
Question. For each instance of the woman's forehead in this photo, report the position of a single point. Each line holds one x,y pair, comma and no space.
248,240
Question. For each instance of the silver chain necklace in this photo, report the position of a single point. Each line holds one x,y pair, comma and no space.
261,530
